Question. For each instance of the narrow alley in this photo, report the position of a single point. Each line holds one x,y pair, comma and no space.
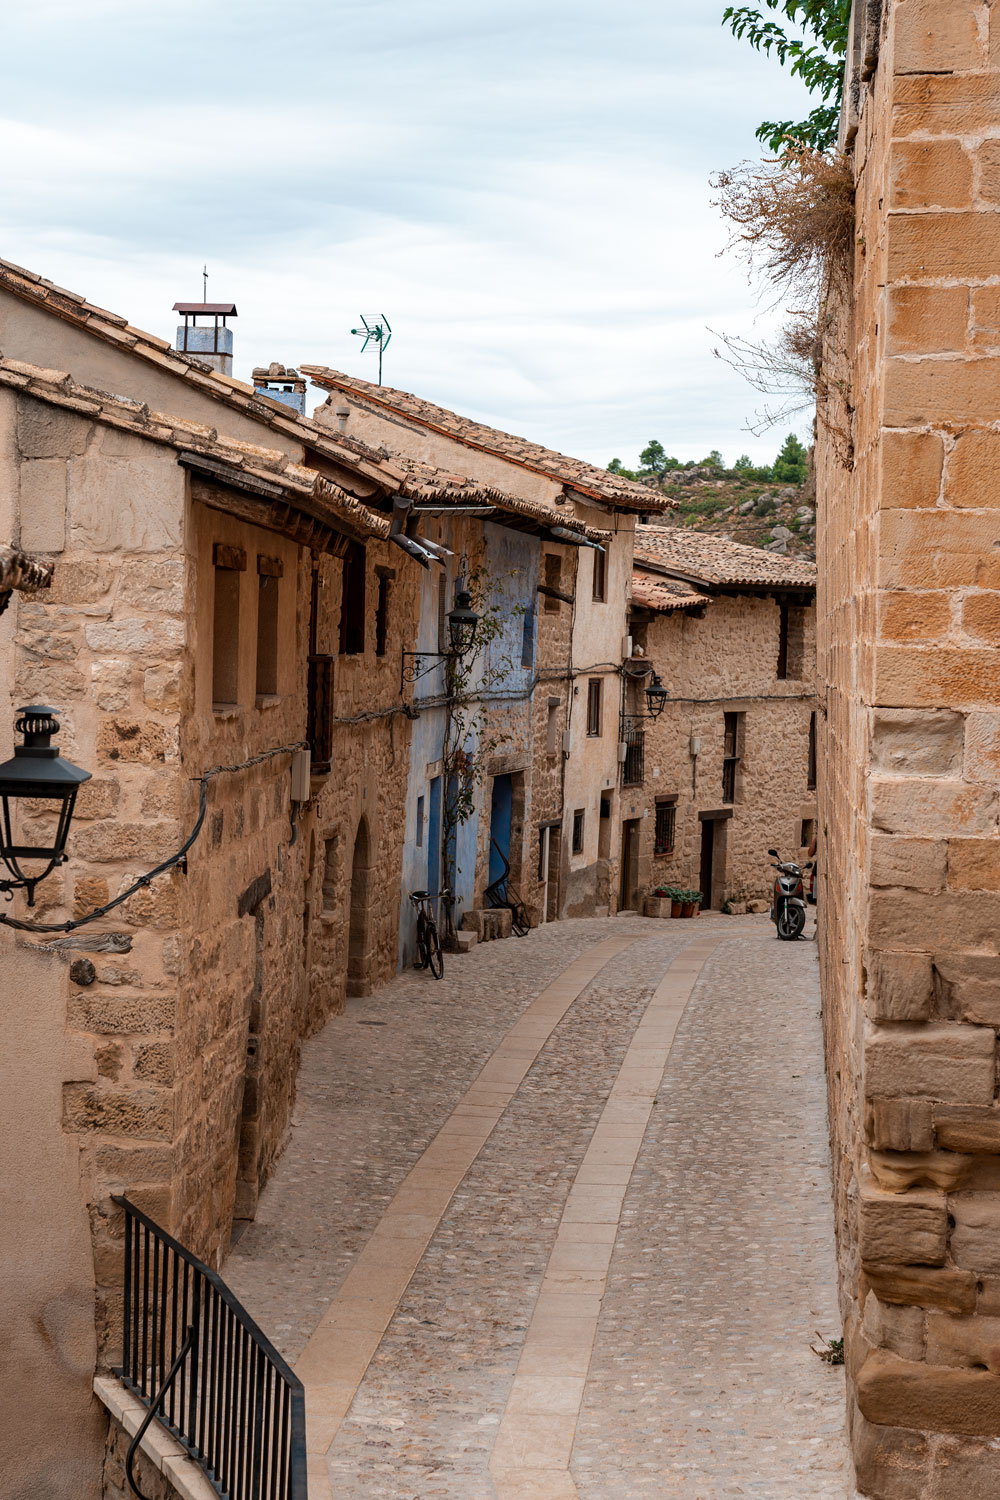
629,1313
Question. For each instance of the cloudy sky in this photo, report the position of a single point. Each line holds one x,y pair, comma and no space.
521,186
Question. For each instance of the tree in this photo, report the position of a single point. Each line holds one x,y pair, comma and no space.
713,461
818,61
744,462
653,457
792,464
617,467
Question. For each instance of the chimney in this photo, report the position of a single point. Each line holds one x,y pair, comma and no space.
286,386
212,342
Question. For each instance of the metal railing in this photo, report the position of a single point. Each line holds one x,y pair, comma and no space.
194,1356
729,764
634,766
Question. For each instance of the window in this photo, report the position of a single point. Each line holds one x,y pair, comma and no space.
807,833
811,762
578,831
269,570
782,640
552,728
352,602
666,825
791,640
553,580
732,749
229,562
594,706
382,612
420,822
600,575
528,636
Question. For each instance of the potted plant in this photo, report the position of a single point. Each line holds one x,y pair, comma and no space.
690,903
659,902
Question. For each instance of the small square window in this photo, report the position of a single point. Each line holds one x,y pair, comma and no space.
578,831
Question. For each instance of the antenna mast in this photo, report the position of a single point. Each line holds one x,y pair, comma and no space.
375,329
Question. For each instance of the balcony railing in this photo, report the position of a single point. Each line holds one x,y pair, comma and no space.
197,1360
634,767
320,719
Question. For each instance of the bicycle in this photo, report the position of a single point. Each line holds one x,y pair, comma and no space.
429,955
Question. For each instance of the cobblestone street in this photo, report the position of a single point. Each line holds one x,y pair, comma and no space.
560,1226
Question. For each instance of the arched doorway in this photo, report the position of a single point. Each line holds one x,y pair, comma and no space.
358,977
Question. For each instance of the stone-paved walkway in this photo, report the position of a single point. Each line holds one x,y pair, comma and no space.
594,1283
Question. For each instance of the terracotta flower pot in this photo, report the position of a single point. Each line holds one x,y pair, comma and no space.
676,908
689,908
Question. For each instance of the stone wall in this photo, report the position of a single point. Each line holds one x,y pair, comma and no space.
911,954
725,661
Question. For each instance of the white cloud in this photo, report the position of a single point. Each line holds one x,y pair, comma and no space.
521,185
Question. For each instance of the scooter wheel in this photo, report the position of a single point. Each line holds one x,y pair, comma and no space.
790,923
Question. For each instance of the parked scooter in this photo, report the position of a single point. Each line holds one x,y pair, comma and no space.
788,904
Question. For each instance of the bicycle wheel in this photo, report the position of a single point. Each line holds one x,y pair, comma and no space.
423,958
435,958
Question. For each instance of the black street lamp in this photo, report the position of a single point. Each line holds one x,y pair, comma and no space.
462,622
37,773
656,697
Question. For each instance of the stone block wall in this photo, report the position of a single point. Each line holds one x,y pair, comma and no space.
911,938
726,661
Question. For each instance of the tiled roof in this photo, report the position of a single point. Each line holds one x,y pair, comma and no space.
326,499
393,473
586,479
665,594
116,330
718,562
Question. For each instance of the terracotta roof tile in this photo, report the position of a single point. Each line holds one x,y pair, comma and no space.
19,571
586,479
665,594
343,510
718,562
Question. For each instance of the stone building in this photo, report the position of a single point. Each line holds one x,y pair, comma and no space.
908,537
563,786
226,591
728,769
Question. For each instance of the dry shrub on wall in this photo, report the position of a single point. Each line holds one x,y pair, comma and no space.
792,220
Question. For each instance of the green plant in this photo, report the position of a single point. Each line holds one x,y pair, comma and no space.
692,896
617,467
832,1350
818,59
764,506
792,464
669,893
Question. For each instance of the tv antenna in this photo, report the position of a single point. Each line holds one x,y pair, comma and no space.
204,283
375,329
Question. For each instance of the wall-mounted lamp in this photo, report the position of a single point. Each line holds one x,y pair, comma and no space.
656,697
462,622
39,773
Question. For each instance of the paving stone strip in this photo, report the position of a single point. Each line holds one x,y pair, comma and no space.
336,1357
531,1456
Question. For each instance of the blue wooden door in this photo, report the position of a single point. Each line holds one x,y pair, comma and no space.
434,837
500,815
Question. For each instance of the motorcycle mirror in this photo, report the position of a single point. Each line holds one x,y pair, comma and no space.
773,853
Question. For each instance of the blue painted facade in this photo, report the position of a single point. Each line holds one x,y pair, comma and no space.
504,677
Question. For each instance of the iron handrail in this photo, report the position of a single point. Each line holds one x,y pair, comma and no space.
498,894
194,1356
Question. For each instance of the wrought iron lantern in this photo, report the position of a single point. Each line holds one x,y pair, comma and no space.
37,773
462,622
656,697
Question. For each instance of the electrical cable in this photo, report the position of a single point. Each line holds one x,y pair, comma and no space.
168,864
